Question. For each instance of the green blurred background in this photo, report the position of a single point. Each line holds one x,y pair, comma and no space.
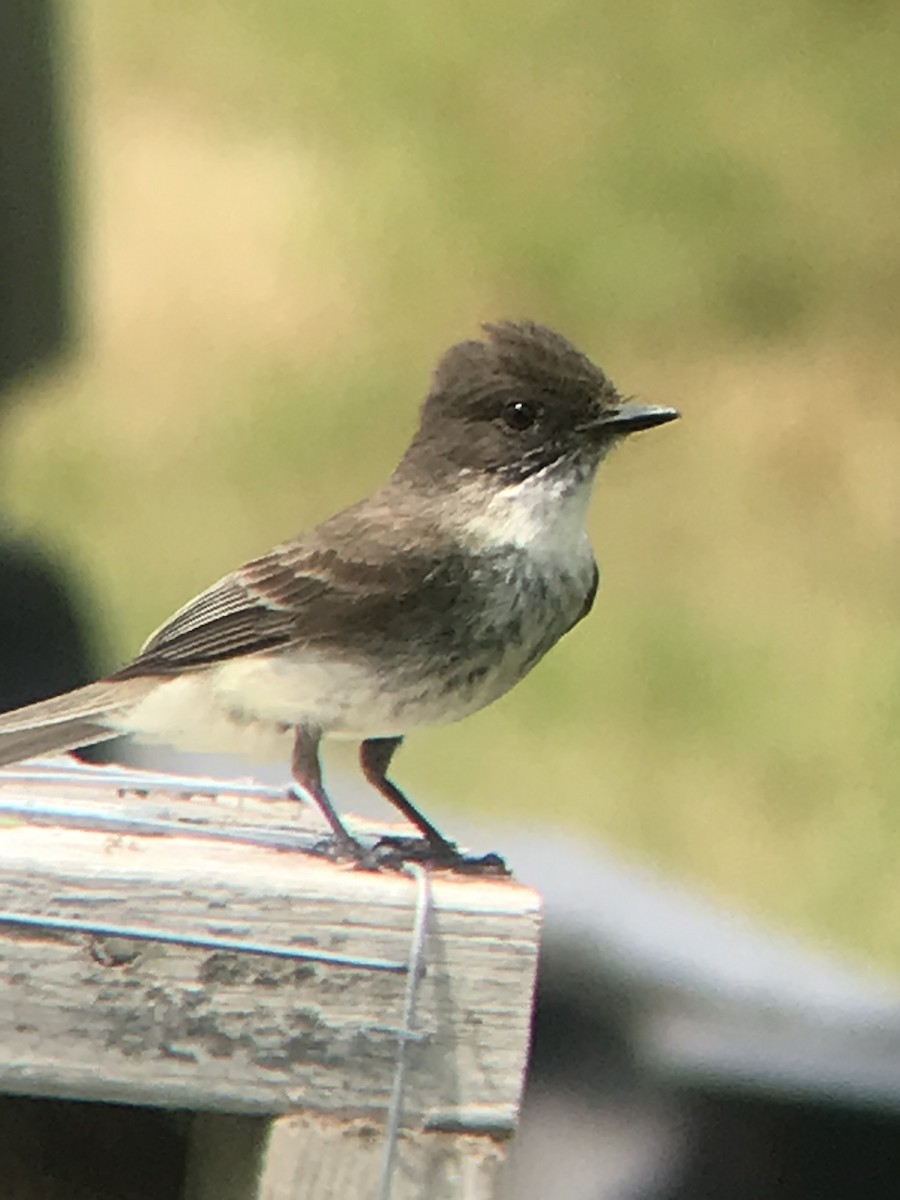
284,211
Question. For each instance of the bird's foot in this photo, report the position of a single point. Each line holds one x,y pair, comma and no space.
347,850
394,852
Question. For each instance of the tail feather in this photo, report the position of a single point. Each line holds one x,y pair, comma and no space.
89,701
65,722
51,739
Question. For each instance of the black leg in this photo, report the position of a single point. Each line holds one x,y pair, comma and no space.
307,774
375,756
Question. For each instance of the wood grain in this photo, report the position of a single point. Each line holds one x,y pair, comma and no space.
112,1018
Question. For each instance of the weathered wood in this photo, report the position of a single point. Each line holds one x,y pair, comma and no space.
314,1157
311,1157
111,1018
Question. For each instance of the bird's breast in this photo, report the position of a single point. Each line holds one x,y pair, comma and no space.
465,642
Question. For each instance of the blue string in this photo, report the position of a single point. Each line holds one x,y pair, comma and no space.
73,816
126,779
209,942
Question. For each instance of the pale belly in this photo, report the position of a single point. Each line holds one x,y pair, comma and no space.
252,705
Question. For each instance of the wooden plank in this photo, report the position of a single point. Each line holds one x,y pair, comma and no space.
311,1157
147,1023
314,1157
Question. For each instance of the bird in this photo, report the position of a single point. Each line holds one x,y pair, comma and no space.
418,605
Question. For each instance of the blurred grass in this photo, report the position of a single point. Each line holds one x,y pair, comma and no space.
285,212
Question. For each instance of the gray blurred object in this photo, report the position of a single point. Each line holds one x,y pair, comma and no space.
34,277
682,1052
44,647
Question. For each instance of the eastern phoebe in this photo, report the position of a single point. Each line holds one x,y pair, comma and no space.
416,606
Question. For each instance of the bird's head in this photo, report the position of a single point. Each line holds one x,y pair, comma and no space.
520,401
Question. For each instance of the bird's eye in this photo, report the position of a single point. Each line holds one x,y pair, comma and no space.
520,414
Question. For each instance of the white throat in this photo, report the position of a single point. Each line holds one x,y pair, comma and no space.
544,514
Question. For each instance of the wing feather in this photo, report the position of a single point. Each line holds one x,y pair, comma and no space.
369,568
258,607
293,594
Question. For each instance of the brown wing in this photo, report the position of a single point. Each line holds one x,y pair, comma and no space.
306,592
258,607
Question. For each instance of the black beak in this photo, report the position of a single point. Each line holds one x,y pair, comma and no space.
631,417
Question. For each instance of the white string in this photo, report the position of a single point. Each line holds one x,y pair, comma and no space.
44,771
406,1033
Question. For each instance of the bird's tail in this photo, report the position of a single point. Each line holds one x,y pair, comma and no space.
65,722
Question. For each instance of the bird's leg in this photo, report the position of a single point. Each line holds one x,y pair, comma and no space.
307,772
375,756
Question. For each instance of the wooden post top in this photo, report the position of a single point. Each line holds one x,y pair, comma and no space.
107,1016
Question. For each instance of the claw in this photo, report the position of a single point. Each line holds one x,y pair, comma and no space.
393,852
